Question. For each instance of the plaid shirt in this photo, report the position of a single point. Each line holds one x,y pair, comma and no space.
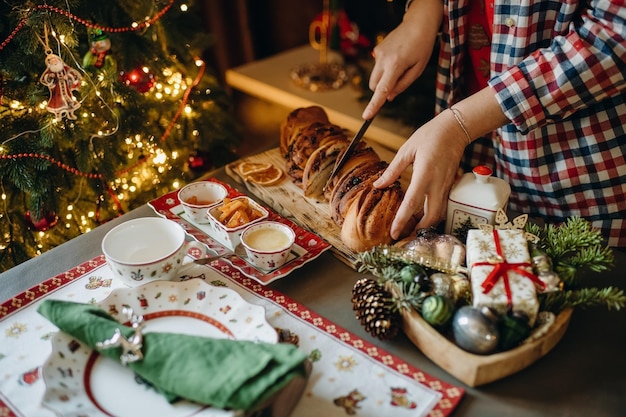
558,70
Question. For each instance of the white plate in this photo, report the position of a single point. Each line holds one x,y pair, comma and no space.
80,382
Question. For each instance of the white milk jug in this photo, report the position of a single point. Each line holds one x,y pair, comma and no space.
477,197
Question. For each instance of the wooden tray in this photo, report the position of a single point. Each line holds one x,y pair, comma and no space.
288,200
472,369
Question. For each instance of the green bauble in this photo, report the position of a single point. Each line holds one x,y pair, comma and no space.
408,272
513,329
415,274
437,310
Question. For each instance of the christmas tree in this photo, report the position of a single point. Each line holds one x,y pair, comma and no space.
103,107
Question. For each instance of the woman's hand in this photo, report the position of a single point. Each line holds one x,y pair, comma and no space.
404,53
435,151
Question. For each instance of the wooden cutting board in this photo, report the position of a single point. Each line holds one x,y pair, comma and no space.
288,200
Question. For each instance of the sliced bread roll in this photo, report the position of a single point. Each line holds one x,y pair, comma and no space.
311,146
319,167
307,142
361,178
297,120
362,156
368,220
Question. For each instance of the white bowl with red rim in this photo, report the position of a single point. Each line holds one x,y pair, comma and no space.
268,244
197,197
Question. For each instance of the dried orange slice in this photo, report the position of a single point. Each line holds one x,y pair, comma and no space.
269,176
247,168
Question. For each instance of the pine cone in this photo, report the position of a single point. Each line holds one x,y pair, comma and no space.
374,309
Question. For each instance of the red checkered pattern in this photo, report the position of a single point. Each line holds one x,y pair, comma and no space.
558,69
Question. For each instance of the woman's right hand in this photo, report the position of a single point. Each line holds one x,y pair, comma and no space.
404,53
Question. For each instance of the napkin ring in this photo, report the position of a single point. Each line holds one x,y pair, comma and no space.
131,346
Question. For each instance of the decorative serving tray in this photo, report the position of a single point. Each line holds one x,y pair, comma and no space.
307,247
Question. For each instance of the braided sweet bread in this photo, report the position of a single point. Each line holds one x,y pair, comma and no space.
310,145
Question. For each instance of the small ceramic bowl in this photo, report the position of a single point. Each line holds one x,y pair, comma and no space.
231,236
198,197
268,244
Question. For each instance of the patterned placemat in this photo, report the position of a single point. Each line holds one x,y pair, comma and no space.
350,376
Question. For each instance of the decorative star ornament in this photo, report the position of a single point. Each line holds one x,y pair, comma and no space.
503,223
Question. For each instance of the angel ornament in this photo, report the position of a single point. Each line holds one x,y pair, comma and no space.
62,81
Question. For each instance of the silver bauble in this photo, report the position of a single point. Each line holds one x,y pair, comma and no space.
551,280
475,330
443,285
462,288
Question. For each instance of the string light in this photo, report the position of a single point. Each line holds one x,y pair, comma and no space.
143,149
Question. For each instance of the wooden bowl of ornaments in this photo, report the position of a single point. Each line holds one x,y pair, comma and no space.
475,370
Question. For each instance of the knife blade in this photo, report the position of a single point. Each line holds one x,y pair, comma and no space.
346,155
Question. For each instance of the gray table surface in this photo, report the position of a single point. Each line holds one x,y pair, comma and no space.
584,375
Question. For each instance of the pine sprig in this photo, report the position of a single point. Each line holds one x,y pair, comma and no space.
573,246
409,297
378,264
596,259
610,297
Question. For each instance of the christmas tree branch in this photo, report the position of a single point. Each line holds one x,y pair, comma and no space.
612,298
573,246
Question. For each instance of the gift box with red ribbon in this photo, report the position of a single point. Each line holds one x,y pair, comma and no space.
501,272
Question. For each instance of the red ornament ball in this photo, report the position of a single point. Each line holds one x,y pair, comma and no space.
200,161
141,79
46,222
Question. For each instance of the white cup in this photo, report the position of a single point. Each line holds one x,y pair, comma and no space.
147,249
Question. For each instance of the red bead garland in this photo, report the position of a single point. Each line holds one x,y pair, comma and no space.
196,81
53,161
85,22
75,171
88,24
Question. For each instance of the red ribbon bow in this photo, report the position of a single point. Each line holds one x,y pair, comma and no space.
501,270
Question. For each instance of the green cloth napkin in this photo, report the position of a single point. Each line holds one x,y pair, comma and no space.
223,373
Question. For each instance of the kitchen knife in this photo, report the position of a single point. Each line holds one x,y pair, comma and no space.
346,155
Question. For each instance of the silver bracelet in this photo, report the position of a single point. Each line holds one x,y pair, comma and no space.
460,121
